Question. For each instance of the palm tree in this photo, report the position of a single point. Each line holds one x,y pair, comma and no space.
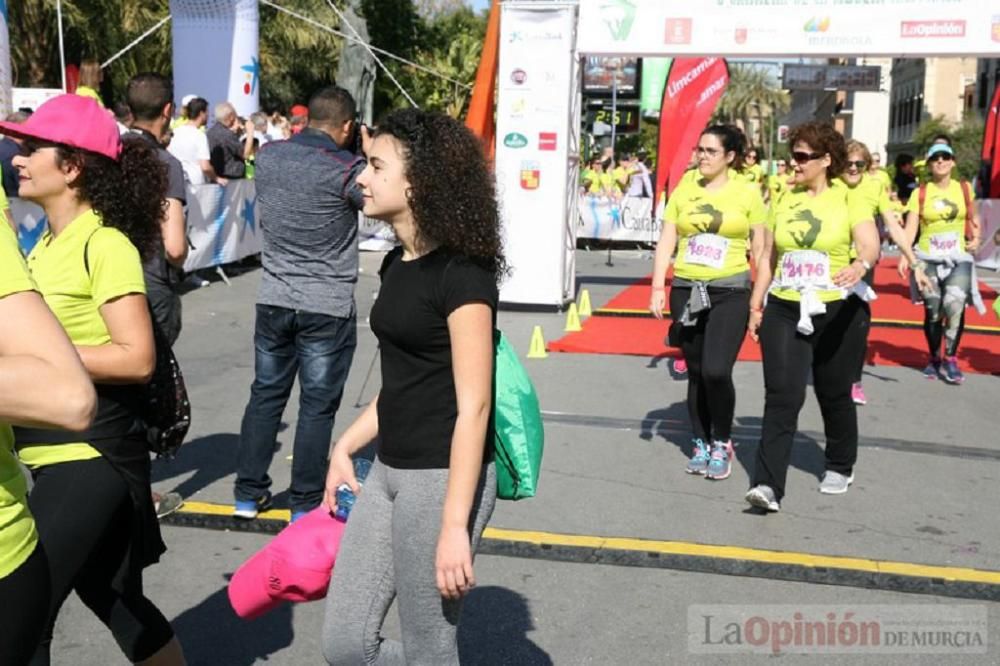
752,93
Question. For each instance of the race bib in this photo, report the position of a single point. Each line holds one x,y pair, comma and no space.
944,243
805,268
707,250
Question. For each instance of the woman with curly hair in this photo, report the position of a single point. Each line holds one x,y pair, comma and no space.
104,199
810,322
417,522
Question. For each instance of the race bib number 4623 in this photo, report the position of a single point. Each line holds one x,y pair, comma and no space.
805,268
707,250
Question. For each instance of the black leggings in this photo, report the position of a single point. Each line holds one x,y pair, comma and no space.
830,352
865,323
84,516
24,607
710,348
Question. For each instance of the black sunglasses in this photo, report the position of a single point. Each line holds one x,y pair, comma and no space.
940,157
859,164
802,157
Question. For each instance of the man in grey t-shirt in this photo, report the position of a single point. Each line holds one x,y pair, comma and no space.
308,202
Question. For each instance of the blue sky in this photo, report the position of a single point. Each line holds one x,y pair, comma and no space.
478,4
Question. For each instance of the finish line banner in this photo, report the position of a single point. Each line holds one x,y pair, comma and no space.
630,219
782,28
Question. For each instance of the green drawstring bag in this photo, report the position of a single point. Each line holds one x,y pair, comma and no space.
517,420
996,307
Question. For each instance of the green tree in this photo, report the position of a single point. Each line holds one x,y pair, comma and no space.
966,141
752,93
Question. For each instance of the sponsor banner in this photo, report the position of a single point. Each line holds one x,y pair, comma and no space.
532,149
223,224
694,87
224,35
630,219
796,28
654,77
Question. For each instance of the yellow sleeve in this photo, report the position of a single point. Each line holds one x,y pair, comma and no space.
859,211
115,266
756,209
913,203
772,211
672,213
14,276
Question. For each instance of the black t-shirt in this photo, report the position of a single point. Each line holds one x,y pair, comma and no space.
417,406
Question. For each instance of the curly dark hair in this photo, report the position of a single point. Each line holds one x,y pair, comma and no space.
453,197
129,194
823,138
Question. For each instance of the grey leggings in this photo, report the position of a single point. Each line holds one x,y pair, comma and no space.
947,303
388,552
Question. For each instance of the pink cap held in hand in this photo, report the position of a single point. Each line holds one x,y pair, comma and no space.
71,120
295,566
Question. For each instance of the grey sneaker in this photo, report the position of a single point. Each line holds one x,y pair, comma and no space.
835,483
762,497
167,503
698,464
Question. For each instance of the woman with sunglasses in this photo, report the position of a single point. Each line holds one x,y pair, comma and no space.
777,183
944,267
42,382
870,193
809,322
709,221
104,199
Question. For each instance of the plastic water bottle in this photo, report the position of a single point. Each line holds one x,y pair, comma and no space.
345,497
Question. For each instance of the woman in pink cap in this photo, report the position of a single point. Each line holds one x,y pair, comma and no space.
104,199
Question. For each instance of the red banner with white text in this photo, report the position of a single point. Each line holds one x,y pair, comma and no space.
694,87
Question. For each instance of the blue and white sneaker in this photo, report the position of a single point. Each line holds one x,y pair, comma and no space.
698,464
248,510
950,372
721,464
933,369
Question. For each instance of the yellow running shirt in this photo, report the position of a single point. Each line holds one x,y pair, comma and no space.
17,530
713,227
57,265
87,91
822,224
777,185
942,225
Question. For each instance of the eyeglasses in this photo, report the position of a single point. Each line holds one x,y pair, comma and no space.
857,164
803,157
710,152
940,157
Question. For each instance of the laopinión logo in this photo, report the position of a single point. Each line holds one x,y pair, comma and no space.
921,29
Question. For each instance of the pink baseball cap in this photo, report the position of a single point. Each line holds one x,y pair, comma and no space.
295,566
71,120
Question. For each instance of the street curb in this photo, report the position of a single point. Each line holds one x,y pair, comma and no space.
961,583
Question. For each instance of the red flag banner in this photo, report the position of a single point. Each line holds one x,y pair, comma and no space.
989,173
480,118
694,87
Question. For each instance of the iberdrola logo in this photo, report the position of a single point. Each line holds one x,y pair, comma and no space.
817,24
619,16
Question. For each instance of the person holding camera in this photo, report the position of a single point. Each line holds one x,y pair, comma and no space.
309,203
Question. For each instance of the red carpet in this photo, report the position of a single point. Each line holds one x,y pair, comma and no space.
898,340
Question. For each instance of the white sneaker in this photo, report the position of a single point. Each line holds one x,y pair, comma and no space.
835,483
763,497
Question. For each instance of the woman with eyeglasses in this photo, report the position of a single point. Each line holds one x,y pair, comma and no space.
809,322
944,268
708,221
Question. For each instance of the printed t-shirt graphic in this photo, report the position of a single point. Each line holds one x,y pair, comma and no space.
821,223
942,225
17,530
713,227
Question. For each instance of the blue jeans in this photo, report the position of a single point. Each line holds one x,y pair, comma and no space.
320,348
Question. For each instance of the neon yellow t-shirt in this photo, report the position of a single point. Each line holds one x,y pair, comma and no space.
713,228
754,174
4,204
620,175
869,195
822,223
882,176
942,225
17,529
87,91
594,178
57,265
777,185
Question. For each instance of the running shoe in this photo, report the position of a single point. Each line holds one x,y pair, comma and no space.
858,394
680,367
167,503
763,497
950,372
248,510
835,483
933,369
699,461
721,464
